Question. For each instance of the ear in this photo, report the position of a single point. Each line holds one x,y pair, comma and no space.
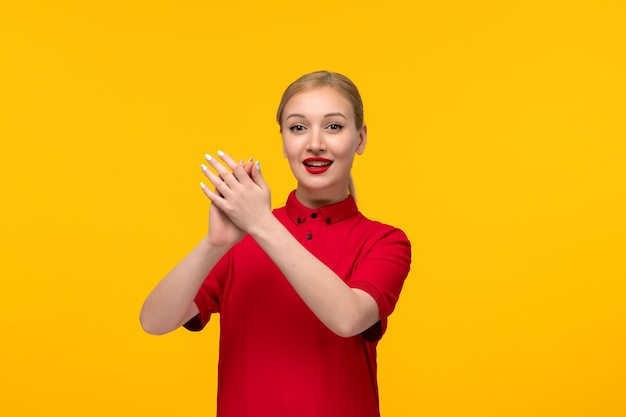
362,140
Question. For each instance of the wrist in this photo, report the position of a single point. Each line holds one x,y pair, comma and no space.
264,227
210,245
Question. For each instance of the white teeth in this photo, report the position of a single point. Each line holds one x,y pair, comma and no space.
318,163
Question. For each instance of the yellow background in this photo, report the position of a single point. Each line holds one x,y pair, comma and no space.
496,141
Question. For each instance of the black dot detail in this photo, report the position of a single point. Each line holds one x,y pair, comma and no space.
314,215
298,220
309,236
327,221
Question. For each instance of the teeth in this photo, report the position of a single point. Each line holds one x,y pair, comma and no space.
318,163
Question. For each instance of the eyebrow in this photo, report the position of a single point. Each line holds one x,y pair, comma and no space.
326,115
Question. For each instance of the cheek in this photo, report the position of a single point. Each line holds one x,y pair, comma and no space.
286,149
288,146
347,146
291,151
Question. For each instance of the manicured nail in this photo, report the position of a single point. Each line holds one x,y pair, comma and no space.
220,153
208,157
202,185
250,160
204,168
258,165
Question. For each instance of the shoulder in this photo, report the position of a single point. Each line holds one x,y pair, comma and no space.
378,230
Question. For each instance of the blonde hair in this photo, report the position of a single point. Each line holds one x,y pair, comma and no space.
339,82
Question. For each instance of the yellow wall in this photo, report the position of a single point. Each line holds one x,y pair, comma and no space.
496,142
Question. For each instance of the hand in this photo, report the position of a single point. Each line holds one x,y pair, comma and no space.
241,193
222,231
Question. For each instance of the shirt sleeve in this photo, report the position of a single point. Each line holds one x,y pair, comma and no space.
381,273
209,295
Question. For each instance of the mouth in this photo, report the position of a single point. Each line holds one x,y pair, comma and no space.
317,165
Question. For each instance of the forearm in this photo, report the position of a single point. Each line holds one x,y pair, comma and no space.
245,199
344,310
171,301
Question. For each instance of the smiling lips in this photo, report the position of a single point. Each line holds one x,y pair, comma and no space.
317,165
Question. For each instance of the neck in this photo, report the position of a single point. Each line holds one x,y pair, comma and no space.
315,199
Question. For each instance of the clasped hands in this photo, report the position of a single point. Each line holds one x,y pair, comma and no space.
240,192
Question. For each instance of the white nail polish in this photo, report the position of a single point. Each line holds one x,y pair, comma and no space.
202,185
258,165
204,168
208,157
220,153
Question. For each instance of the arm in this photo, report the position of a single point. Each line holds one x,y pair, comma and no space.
345,311
171,302
245,199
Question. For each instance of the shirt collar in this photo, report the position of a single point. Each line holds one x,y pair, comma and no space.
332,213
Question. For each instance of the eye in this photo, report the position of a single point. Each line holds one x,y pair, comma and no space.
296,128
335,126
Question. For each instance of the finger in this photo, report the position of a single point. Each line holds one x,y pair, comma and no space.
212,196
257,177
230,162
248,166
221,188
238,169
225,175
247,169
242,171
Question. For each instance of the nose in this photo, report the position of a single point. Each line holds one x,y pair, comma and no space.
315,143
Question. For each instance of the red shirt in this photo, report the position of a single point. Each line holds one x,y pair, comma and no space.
276,357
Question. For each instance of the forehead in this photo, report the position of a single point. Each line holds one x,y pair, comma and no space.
320,100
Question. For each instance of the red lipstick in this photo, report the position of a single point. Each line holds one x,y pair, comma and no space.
317,165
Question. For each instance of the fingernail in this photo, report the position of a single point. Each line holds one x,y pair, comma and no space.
250,160
208,157
241,162
204,168
258,165
220,153
202,185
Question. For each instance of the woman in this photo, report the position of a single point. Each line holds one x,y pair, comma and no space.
303,292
